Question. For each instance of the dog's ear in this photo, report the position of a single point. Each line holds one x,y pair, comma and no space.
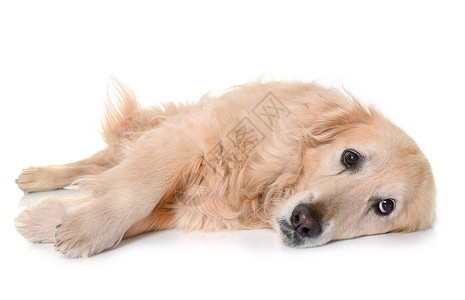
335,119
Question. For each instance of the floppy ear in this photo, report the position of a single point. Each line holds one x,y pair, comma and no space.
335,119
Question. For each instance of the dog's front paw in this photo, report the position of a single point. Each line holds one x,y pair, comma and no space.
82,235
37,222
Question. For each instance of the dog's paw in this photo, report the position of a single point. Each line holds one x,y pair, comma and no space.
37,222
36,179
84,234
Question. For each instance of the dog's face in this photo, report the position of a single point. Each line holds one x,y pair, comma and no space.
370,179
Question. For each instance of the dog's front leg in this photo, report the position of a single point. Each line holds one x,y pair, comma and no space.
100,223
122,196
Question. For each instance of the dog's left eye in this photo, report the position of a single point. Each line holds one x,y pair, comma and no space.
385,207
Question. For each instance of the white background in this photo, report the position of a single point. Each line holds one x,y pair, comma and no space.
406,57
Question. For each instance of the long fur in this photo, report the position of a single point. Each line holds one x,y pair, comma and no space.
232,162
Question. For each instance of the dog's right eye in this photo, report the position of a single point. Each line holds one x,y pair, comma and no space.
350,158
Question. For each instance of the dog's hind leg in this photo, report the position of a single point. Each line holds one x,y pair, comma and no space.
123,195
124,122
123,115
46,178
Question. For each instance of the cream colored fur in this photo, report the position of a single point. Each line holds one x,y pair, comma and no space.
232,162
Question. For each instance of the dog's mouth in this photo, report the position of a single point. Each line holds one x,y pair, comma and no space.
289,236
298,238
301,222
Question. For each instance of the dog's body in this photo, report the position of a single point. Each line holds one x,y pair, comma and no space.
310,162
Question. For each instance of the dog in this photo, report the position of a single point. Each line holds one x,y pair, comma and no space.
308,161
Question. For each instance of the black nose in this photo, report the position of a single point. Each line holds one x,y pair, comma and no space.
305,222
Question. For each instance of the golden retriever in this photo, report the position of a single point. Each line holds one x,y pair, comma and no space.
310,162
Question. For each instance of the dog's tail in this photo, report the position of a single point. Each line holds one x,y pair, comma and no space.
122,108
126,120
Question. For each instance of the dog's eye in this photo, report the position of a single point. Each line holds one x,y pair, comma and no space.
385,207
350,158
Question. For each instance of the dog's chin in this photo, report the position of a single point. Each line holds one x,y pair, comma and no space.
292,238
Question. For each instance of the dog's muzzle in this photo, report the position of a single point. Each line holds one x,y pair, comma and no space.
303,225
305,222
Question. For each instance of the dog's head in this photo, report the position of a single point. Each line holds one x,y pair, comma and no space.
363,176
